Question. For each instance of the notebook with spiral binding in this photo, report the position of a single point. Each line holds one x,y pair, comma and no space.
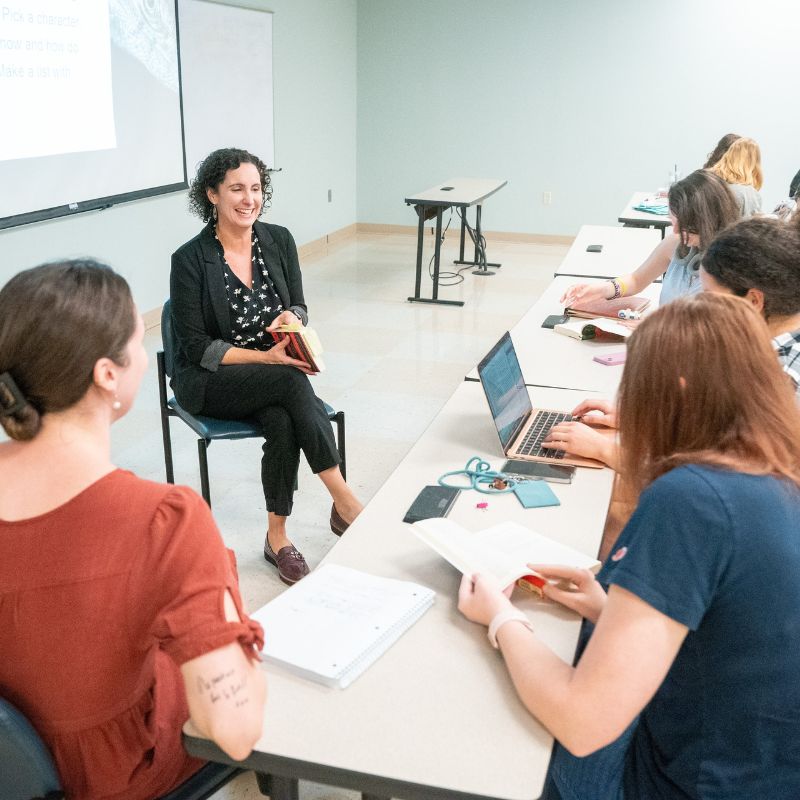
337,621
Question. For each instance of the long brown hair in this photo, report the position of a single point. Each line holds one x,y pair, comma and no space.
702,204
702,385
722,147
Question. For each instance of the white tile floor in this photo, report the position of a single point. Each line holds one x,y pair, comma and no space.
391,365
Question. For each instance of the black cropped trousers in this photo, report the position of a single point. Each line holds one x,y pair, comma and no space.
282,402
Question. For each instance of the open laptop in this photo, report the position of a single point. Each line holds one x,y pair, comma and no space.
521,427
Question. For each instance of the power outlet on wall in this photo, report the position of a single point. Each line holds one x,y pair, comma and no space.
330,195
547,198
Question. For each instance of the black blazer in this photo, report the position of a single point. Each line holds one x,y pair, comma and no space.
200,314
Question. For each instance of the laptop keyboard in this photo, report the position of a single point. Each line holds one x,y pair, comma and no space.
537,433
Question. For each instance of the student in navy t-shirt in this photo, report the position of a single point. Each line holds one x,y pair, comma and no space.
699,634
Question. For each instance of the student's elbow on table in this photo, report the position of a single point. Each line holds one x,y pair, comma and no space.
235,738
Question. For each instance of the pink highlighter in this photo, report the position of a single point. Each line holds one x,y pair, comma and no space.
611,359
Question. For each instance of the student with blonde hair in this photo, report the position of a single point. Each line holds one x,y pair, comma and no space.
740,168
698,635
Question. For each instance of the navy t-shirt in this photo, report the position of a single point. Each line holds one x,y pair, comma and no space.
719,552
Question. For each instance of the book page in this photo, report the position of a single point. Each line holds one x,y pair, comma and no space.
502,552
525,546
468,552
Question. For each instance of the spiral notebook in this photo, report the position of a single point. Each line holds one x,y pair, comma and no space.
336,622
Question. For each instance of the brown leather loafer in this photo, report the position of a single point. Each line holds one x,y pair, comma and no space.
338,525
289,561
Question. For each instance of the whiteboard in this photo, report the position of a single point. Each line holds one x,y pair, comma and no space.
226,77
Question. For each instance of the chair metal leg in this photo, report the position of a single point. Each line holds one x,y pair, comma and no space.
277,787
202,446
340,445
165,434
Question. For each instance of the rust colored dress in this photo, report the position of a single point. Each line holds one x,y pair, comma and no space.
101,600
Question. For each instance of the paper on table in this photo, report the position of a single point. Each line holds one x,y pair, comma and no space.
502,551
337,621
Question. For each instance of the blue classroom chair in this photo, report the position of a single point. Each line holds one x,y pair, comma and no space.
209,429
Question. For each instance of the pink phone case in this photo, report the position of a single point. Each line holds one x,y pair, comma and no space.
612,359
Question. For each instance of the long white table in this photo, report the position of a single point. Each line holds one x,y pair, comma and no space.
643,219
551,359
436,717
624,249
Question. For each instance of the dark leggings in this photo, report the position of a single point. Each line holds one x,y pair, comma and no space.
280,399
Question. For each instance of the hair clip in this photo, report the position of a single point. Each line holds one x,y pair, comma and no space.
12,401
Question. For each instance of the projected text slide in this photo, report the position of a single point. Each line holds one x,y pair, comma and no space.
55,78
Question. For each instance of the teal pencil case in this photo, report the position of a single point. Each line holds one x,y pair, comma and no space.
535,494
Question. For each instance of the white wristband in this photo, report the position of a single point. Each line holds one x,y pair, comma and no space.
509,615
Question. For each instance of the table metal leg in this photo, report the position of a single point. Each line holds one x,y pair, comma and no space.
420,241
437,250
436,260
277,787
476,261
480,252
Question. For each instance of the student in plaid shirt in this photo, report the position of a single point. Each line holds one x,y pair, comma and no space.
759,259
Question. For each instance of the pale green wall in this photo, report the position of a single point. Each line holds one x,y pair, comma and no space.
315,142
587,99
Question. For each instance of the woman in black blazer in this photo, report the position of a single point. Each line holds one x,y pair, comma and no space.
229,285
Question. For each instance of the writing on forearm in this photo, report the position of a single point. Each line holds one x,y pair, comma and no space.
225,687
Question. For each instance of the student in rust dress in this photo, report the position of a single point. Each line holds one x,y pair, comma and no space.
119,604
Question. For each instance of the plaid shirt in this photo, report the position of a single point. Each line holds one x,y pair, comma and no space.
787,346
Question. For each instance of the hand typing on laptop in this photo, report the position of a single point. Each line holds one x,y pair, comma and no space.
591,437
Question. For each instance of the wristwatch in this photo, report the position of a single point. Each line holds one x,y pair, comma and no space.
509,615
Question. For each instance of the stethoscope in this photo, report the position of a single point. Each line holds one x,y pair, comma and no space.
480,477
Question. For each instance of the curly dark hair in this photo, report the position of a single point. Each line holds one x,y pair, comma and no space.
211,172
759,253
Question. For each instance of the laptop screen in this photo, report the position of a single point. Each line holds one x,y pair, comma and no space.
501,378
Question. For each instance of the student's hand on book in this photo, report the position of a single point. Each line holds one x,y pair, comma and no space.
607,415
585,293
580,440
277,355
480,599
572,587
284,318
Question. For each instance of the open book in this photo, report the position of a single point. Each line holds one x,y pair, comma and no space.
600,329
304,344
502,552
608,308
337,621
